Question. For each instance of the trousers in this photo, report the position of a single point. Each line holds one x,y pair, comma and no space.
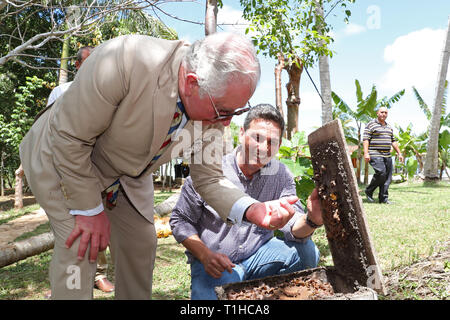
382,177
133,250
273,258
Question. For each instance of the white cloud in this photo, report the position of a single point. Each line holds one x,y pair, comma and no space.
414,60
353,28
232,18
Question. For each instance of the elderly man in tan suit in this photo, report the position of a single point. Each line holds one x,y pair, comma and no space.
89,158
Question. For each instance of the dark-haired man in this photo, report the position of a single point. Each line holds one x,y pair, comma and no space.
219,253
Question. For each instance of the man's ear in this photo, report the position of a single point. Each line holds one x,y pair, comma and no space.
191,84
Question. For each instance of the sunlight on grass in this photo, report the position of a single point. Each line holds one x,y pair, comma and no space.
406,230
409,228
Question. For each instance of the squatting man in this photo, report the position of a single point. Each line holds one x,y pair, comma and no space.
89,158
220,253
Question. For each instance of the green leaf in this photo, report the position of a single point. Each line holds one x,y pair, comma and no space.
304,187
411,166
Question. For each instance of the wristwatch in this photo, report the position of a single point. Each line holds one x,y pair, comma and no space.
312,224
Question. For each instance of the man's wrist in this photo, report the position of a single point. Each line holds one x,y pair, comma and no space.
244,216
311,223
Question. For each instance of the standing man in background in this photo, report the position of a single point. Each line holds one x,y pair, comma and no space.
377,140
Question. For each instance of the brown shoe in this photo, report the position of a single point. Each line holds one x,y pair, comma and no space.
48,295
104,284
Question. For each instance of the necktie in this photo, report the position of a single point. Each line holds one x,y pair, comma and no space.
113,190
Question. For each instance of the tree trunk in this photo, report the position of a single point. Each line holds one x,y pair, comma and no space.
26,248
431,160
2,168
18,194
358,162
165,208
366,173
211,17
64,66
278,69
210,28
293,101
324,70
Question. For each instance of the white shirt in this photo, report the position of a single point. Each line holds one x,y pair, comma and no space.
57,92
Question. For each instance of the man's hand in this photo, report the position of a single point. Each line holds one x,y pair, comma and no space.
366,157
273,214
93,230
216,263
314,207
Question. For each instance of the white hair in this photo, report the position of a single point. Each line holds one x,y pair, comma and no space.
221,58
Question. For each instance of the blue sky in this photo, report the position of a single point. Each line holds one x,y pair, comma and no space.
392,44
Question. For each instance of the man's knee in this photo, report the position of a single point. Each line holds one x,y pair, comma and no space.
307,254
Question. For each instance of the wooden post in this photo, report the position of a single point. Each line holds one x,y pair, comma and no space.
342,209
18,195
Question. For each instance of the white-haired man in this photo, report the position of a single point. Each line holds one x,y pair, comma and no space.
89,158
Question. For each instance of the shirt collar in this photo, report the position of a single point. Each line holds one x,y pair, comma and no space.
182,108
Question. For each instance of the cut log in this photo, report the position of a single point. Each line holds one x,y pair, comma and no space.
20,250
166,207
342,210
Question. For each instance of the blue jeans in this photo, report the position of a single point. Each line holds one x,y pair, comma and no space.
273,258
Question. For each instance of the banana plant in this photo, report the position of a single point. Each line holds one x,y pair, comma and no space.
413,148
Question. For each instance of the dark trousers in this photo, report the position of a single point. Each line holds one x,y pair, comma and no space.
382,177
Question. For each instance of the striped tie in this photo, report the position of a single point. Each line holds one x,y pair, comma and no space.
113,190
177,117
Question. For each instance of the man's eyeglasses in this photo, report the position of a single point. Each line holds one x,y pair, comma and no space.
228,115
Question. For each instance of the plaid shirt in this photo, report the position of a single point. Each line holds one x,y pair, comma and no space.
192,215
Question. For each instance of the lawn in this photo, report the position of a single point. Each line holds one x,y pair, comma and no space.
403,233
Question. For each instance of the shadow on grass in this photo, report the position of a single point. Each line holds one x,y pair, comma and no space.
26,279
173,294
170,252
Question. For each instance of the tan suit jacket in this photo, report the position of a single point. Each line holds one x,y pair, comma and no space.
109,124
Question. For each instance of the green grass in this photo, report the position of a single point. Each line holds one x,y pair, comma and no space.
406,230
6,216
401,233
171,276
412,226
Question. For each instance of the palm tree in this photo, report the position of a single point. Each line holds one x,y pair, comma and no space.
366,109
431,161
324,71
444,121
